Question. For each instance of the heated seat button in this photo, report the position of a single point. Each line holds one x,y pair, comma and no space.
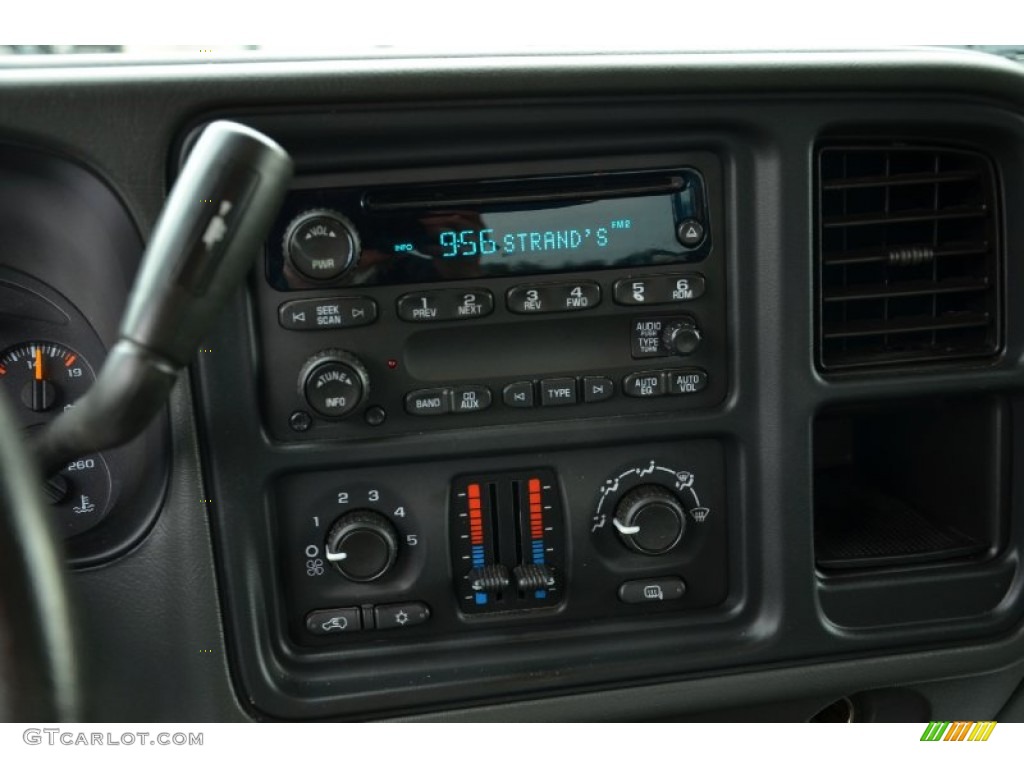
597,388
334,621
644,384
518,394
471,398
427,402
558,391
652,590
401,615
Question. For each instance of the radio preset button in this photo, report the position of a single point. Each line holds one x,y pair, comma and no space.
572,297
558,391
596,389
519,394
686,382
644,384
553,297
451,304
659,289
427,402
471,398
323,314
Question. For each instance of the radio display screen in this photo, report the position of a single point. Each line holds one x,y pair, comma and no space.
436,234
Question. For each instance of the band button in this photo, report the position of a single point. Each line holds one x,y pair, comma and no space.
427,402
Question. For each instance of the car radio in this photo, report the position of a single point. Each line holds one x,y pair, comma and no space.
397,309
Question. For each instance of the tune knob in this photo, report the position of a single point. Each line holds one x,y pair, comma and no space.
650,520
681,337
334,383
362,545
321,244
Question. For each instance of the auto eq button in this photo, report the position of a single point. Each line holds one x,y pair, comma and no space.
644,384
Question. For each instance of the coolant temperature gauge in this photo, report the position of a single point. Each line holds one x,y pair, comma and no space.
43,378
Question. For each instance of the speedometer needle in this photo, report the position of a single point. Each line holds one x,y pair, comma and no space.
39,364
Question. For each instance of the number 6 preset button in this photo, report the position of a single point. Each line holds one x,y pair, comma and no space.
447,304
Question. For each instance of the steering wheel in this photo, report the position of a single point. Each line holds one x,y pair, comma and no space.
38,664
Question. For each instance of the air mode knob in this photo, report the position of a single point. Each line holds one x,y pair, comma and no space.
334,383
362,545
650,520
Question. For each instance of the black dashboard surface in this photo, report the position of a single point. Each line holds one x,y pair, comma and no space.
199,606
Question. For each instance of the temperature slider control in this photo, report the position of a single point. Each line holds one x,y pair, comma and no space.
507,542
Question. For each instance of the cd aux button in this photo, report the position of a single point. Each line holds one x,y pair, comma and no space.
471,398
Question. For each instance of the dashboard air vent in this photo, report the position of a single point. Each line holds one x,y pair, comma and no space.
908,256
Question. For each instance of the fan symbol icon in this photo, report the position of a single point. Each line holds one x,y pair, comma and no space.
315,567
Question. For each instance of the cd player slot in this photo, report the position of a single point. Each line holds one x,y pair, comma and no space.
388,201
509,349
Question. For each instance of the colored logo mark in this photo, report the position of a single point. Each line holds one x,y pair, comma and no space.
959,730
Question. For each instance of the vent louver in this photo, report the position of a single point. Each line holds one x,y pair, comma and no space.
908,256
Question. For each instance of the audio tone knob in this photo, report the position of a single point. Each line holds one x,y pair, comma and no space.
681,337
650,520
321,244
362,545
334,383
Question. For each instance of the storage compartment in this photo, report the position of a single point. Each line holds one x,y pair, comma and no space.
910,482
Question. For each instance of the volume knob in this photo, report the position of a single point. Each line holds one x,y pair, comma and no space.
321,244
650,520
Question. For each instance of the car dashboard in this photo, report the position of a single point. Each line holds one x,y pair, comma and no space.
593,387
